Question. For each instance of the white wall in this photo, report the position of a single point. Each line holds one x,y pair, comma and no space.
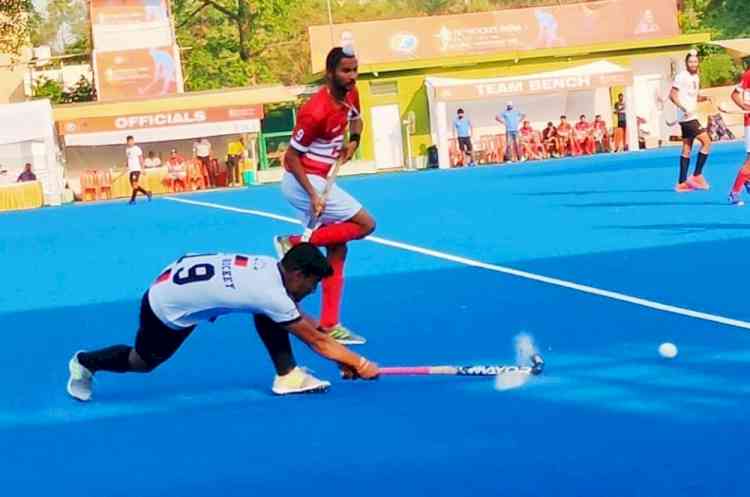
652,79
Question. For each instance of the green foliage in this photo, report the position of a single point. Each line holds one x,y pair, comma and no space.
14,25
718,70
48,88
82,91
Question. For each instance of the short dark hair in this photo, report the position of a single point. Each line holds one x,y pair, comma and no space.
308,259
549,123
582,116
460,111
129,137
597,116
335,55
563,116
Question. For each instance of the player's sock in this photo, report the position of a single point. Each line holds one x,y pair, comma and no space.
132,196
702,158
743,176
114,359
332,234
684,166
333,287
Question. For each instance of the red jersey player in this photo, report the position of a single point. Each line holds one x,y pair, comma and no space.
741,97
317,143
583,139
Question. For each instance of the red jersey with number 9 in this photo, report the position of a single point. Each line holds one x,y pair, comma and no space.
319,133
744,89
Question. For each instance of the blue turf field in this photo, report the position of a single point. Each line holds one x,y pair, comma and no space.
608,418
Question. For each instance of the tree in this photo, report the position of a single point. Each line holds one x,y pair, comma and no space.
64,26
14,25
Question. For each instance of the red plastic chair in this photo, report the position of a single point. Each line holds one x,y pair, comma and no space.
104,181
89,186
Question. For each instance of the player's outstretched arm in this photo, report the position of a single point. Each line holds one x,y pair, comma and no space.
329,348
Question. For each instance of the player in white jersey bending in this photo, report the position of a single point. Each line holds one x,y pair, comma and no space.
685,96
202,287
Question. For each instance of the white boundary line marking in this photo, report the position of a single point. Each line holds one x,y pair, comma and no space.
501,269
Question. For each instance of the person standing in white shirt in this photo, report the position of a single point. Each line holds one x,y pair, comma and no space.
202,150
685,96
135,167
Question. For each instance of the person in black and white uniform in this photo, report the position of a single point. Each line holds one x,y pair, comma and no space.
203,287
685,95
135,167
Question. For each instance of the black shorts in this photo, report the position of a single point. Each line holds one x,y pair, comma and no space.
135,176
156,342
691,129
464,144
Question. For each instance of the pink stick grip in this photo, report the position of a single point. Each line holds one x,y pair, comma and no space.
405,371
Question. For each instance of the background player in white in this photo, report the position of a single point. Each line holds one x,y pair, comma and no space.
203,287
135,167
685,96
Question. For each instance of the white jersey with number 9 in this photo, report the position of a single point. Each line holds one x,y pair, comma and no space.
199,287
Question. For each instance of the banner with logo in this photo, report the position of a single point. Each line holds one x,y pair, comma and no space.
436,37
139,73
532,85
119,12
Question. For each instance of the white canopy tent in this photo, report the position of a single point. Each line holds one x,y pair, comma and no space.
542,97
27,134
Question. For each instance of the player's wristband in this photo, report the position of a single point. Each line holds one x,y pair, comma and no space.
363,362
354,137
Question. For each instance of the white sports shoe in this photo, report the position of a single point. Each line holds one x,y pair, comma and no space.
298,381
80,381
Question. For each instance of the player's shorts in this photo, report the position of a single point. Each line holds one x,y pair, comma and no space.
340,206
156,342
135,176
747,139
464,144
691,129
511,136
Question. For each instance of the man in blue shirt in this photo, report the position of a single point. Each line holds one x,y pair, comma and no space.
511,118
462,129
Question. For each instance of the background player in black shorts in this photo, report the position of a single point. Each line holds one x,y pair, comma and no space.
685,96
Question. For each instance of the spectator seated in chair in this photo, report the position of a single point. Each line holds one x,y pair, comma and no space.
550,141
151,161
565,137
27,174
176,172
584,141
600,135
531,147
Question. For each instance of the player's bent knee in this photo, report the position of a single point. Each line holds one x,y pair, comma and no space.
140,364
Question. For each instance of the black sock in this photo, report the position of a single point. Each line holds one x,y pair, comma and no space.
684,166
276,340
132,195
702,158
114,359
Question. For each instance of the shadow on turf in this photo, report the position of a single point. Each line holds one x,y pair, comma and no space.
643,204
682,228
592,192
